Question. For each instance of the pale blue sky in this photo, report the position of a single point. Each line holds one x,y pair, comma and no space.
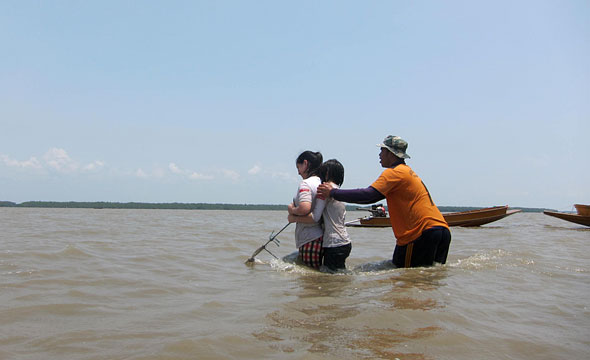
212,101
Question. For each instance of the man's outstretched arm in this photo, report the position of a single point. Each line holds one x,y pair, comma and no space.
367,195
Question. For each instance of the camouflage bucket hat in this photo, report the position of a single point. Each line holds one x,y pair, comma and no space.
396,145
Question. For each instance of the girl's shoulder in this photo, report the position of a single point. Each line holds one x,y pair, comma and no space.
312,181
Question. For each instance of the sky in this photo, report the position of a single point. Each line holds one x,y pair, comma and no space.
212,101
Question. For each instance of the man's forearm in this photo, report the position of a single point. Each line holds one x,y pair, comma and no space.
367,195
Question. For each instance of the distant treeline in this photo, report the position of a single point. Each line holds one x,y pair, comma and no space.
195,206
138,205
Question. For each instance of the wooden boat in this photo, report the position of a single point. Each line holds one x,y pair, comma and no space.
373,221
583,210
378,218
468,218
478,217
582,217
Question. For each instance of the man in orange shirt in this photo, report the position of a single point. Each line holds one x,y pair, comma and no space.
422,234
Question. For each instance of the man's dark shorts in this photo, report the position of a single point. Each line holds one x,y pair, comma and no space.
432,246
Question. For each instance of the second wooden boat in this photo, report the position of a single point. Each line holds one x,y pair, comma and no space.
468,218
582,217
478,217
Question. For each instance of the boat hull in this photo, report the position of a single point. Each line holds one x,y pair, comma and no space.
583,210
462,218
475,217
471,222
575,218
375,222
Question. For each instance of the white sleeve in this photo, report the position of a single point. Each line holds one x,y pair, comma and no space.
318,209
304,193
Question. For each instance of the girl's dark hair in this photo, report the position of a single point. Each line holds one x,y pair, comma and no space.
332,170
314,159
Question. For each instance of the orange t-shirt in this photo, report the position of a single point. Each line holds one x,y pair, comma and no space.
411,210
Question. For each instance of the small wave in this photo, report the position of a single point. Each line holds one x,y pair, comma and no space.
73,251
70,251
374,267
289,263
490,259
287,266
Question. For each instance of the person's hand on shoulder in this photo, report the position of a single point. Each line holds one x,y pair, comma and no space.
324,190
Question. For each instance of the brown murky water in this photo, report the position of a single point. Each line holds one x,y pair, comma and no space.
156,284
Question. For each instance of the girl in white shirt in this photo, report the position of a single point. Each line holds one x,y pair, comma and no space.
308,235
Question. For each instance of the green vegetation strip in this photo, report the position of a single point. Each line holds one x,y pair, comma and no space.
193,206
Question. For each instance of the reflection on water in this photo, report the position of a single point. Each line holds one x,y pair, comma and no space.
382,343
342,315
